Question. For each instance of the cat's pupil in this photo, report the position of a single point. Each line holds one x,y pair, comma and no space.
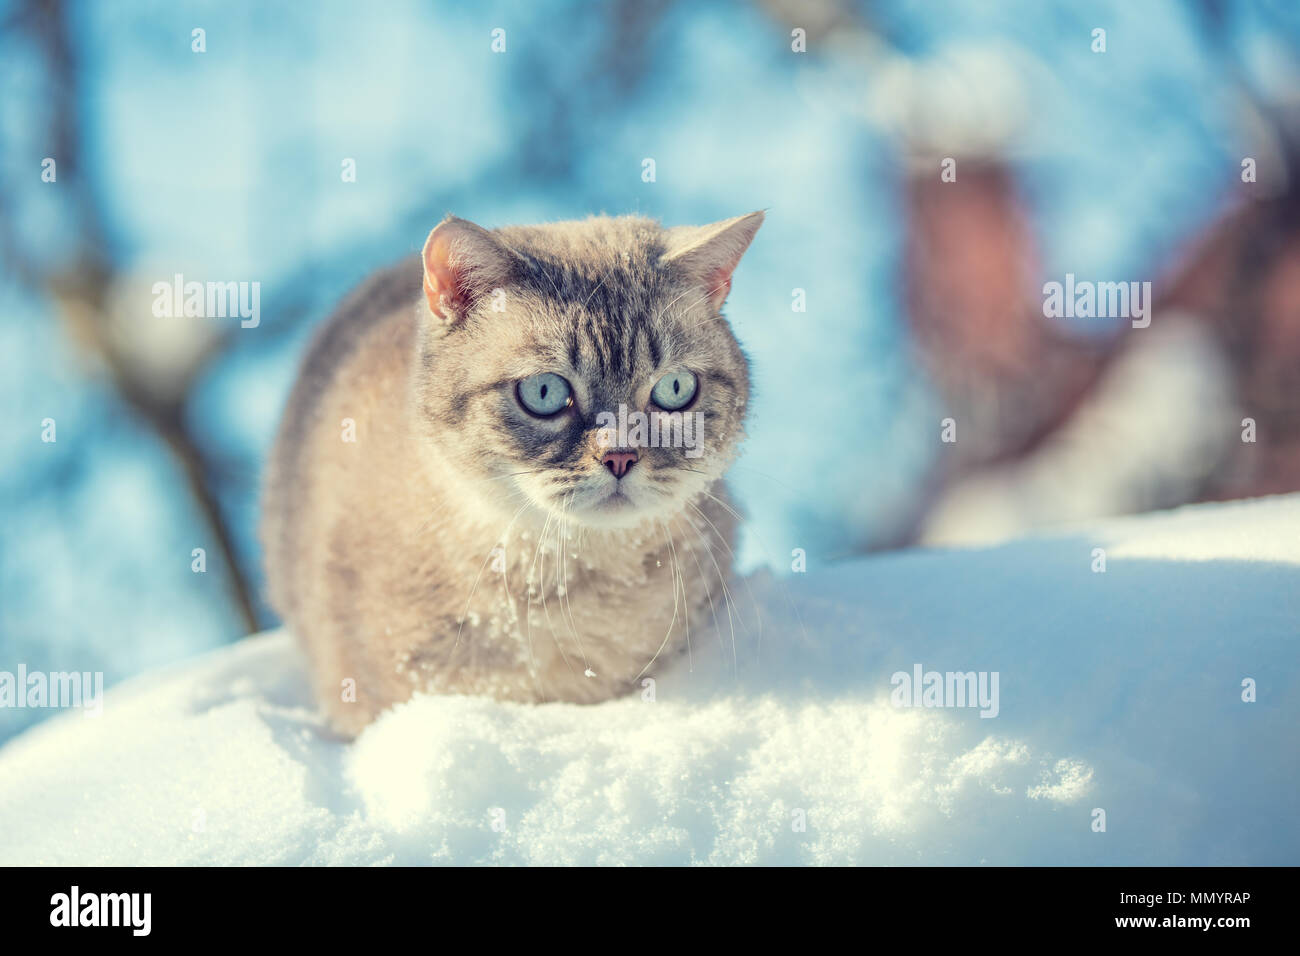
677,386
544,388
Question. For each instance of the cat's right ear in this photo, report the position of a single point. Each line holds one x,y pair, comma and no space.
463,262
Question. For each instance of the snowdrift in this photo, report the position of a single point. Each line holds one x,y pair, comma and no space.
1118,691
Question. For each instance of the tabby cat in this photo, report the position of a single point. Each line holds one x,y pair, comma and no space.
450,508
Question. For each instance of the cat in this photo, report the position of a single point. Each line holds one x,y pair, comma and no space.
446,510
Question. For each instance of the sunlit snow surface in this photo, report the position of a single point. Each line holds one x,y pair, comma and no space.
1119,690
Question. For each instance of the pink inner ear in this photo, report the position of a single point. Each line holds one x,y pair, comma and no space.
439,277
720,286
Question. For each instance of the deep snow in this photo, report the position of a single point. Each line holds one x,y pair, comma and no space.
1119,690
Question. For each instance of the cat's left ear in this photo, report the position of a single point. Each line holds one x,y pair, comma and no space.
709,254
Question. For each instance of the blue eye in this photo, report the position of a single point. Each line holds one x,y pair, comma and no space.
545,394
674,391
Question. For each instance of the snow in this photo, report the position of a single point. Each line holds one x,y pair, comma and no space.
1119,691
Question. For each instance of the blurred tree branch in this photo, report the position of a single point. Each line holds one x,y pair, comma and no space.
80,287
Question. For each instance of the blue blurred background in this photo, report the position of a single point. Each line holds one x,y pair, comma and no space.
226,165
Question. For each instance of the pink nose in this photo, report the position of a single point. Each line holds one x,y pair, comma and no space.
619,462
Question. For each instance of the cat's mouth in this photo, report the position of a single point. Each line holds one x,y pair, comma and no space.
602,501
616,500
612,508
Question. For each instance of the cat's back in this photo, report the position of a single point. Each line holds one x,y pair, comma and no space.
352,363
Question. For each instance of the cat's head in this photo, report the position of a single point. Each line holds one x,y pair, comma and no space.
583,368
